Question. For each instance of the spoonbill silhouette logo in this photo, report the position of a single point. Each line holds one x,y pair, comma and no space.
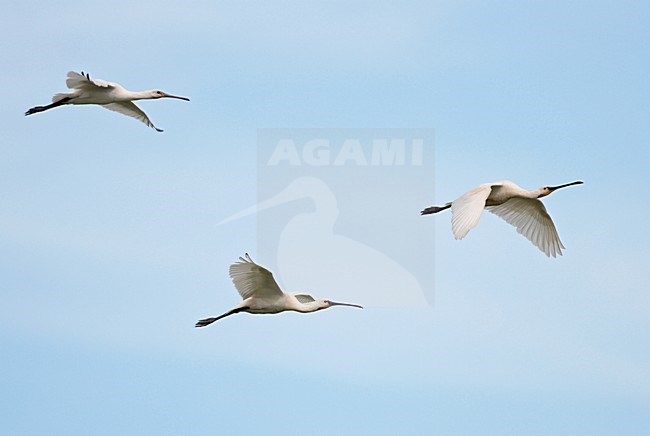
312,256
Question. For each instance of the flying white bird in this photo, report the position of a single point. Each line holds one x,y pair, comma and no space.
519,207
106,94
261,293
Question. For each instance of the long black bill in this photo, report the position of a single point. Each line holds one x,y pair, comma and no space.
176,96
553,188
334,303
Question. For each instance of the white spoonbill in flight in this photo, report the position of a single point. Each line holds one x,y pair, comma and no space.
519,207
106,94
261,293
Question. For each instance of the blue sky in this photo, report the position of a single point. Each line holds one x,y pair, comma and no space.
109,248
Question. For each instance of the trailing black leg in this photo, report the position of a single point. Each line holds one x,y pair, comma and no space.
37,109
435,209
208,321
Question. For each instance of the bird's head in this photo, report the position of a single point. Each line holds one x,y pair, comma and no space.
324,304
545,190
156,93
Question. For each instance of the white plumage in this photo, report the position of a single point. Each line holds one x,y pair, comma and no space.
106,94
261,293
252,280
530,218
517,206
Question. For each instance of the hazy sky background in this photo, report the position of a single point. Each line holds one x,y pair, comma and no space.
109,249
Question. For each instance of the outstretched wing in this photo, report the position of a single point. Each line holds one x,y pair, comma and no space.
467,209
252,280
130,109
304,298
530,218
83,81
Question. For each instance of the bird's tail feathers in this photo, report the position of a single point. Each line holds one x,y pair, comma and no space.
61,96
